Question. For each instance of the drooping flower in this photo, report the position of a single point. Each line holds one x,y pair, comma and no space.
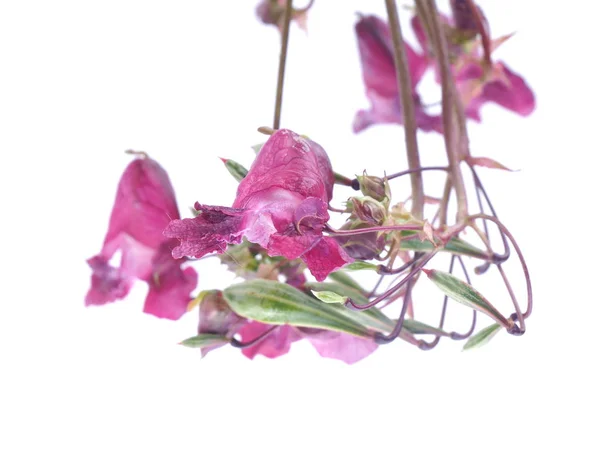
271,12
144,205
281,205
477,81
379,75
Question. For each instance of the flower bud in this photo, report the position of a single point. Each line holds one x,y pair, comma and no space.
369,210
374,187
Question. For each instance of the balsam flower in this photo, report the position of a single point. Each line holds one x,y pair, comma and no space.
379,74
281,205
144,205
478,81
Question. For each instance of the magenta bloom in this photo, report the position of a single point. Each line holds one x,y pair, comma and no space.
379,75
329,344
281,205
144,205
476,83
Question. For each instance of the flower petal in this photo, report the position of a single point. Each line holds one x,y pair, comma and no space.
277,343
342,346
208,232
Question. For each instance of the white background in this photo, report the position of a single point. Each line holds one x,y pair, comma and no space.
188,81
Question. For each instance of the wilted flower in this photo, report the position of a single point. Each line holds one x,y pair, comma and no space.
144,205
270,12
379,75
281,205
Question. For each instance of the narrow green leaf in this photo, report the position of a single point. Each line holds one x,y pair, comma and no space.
204,340
360,265
373,317
329,297
416,327
235,169
345,279
278,303
464,293
456,246
483,337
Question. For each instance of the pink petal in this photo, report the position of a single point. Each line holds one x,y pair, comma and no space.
342,346
325,257
208,232
170,287
277,343
289,162
144,205
108,283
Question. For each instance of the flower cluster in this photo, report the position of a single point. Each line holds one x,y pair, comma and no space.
295,267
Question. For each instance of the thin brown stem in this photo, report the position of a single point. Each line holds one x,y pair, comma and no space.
454,134
381,338
419,169
387,294
285,33
513,241
408,110
237,344
512,297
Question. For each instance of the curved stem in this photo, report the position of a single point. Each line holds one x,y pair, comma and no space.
408,110
381,338
393,289
334,232
237,344
418,169
453,335
513,241
285,33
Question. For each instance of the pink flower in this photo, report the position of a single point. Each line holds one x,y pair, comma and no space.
379,75
281,205
329,344
477,82
144,205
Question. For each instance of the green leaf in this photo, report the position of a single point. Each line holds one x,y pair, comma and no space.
416,327
483,337
329,297
279,304
345,279
257,147
370,318
464,293
235,169
373,317
361,265
204,340
455,245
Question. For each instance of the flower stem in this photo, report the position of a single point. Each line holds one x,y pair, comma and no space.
408,110
285,33
454,130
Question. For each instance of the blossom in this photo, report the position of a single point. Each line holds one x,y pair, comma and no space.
271,12
144,205
281,205
477,81
379,75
